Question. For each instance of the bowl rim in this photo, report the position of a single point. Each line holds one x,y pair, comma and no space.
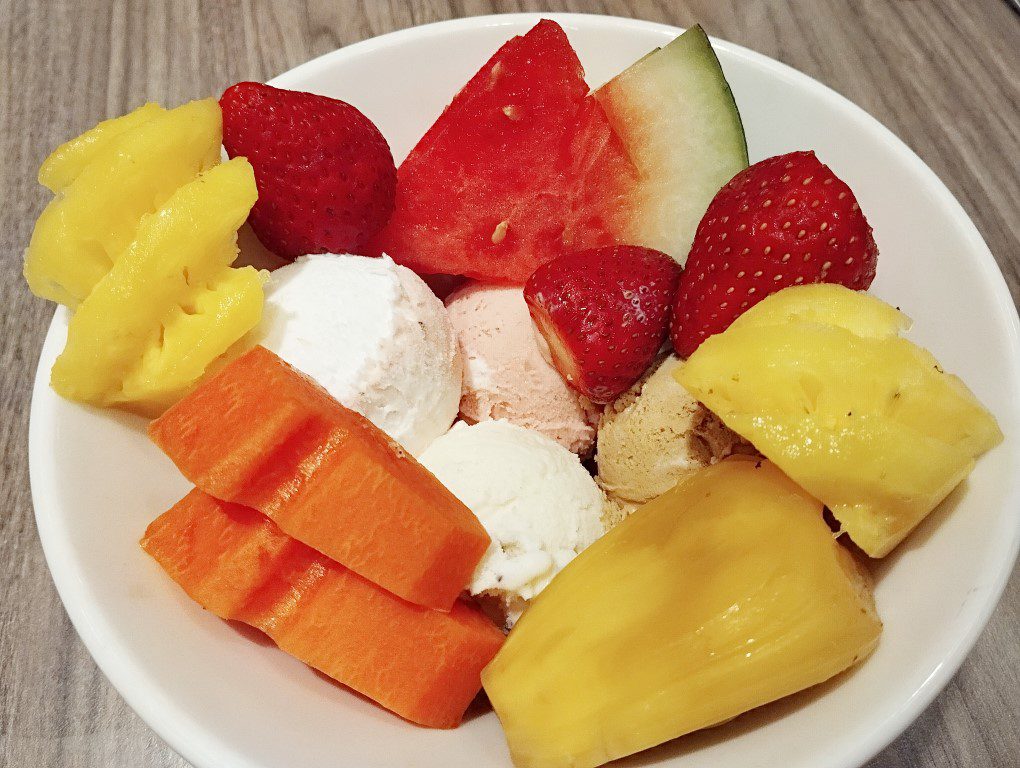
200,745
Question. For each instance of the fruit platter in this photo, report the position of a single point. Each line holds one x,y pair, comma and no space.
533,391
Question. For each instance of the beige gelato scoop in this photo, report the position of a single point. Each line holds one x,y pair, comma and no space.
653,435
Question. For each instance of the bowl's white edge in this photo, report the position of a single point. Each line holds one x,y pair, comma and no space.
200,746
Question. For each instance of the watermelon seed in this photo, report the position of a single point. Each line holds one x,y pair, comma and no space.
499,233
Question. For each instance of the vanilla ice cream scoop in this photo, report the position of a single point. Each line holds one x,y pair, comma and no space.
653,435
537,502
506,375
373,334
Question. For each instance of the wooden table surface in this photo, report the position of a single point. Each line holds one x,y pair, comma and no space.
943,75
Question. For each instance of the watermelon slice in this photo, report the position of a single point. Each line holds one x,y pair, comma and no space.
525,165
519,167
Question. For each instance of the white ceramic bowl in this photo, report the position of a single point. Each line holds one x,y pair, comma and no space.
224,700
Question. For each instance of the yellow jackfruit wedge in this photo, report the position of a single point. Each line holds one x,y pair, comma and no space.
818,379
105,181
721,595
171,304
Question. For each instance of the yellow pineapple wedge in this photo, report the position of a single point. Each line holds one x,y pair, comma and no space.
105,181
171,304
69,159
819,380
721,595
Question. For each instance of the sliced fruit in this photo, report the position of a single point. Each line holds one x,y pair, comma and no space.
170,305
723,594
784,221
818,303
520,167
604,313
106,181
261,434
196,335
69,159
324,171
676,116
422,664
864,420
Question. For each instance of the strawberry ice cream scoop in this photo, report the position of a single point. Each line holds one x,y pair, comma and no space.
506,374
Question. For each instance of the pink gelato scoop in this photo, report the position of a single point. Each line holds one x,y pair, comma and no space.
506,374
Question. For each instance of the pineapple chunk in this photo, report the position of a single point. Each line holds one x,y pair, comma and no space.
69,159
105,181
721,595
865,316
171,304
819,380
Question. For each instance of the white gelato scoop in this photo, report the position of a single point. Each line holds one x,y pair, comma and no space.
373,334
538,503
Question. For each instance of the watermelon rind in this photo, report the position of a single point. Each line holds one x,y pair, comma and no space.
680,125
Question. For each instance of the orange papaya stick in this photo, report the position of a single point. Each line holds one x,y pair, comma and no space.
263,435
424,665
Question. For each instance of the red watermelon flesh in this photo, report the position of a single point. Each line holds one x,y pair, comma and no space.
519,168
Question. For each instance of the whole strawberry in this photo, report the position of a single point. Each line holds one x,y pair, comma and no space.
604,313
324,172
784,221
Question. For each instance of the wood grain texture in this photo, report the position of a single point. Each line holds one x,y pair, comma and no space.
945,76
